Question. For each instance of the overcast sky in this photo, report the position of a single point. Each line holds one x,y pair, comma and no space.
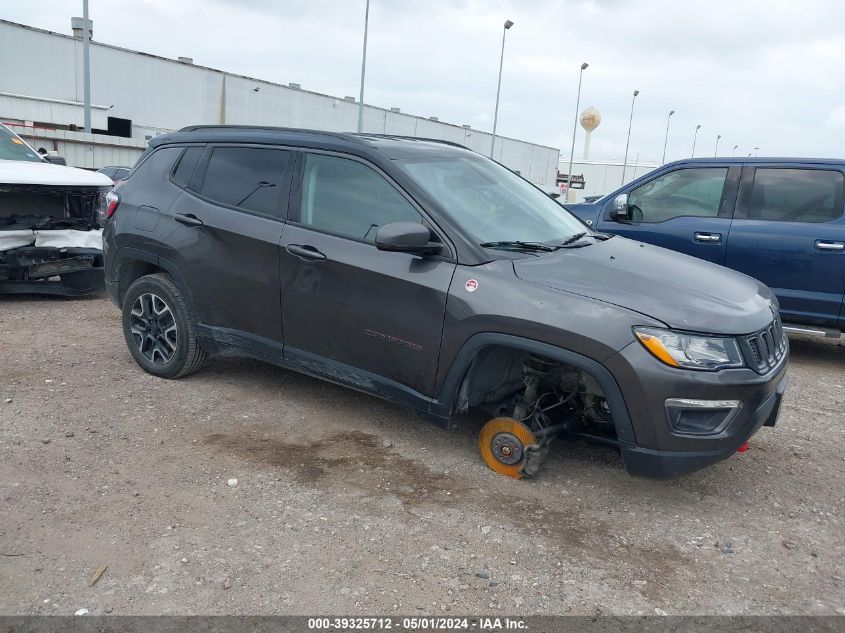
759,72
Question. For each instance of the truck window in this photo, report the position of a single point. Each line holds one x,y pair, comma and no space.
684,192
794,195
348,198
12,147
249,178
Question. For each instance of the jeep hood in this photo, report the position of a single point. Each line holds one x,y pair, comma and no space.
19,172
683,292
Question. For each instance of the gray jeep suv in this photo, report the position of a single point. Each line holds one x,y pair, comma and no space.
428,275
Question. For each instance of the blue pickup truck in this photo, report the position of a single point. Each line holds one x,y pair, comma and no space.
779,220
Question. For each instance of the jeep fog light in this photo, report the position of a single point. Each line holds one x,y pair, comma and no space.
700,417
691,351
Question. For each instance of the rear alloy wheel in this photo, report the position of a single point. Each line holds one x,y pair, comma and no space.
158,328
153,328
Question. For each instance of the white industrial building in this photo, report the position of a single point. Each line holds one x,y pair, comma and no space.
136,96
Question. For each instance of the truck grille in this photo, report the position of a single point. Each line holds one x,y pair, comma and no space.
765,349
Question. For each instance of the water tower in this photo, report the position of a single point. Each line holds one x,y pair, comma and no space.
590,119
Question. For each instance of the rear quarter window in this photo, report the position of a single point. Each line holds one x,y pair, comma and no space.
160,161
185,167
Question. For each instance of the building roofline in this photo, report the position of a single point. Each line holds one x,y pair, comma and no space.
263,81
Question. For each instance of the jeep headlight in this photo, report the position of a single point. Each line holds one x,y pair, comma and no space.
691,351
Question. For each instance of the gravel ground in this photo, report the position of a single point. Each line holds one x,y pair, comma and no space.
346,504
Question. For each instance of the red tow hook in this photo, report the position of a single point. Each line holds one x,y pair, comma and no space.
743,447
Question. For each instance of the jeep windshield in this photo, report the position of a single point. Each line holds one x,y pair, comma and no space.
13,148
494,205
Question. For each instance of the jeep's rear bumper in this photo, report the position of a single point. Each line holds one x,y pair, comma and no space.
658,450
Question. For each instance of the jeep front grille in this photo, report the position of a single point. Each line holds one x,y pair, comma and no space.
764,349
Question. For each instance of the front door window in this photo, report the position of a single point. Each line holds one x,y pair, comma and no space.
684,192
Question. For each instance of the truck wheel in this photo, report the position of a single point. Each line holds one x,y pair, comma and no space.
158,329
502,443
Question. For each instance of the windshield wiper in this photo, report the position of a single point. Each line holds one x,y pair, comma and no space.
574,238
520,245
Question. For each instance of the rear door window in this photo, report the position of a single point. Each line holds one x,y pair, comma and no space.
249,178
794,195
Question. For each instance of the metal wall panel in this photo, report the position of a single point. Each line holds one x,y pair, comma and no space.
50,110
160,95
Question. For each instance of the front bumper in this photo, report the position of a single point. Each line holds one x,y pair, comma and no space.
660,451
71,271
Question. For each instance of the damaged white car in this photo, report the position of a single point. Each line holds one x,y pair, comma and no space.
50,237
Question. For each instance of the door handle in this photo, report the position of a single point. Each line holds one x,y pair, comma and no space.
188,219
825,245
308,253
708,238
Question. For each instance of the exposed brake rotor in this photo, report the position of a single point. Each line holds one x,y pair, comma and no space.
502,443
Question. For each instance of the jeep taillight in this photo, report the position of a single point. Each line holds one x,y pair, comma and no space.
112,201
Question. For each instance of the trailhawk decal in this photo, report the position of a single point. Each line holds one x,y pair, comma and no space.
387,338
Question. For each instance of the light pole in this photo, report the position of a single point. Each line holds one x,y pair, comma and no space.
86,67
508,24
363,69
694,138
755,151
574,129
666,140
628,142
716,151
733,153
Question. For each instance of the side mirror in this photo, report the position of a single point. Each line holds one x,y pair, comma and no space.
406,237
56,160
619,210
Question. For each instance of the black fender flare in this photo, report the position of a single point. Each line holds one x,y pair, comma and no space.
128,254
442,408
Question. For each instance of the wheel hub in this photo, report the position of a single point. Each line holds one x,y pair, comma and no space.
507,448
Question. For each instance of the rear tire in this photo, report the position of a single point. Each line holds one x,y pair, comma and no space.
158,328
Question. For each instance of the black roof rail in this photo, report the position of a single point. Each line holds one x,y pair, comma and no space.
406,137
352,137
267,128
